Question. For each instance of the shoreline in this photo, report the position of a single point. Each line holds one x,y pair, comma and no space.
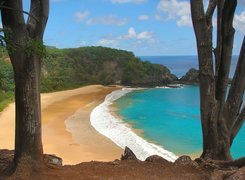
113,110
66,128
140,132
69,133
121,133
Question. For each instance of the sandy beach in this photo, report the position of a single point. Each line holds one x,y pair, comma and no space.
66,128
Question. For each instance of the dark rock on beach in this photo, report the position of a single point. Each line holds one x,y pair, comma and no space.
53,160
128,154
156,159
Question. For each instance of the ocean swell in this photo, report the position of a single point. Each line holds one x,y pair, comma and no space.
116,130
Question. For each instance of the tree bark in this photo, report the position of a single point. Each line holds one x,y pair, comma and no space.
28,139
221,118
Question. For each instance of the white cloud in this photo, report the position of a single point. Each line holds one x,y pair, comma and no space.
80,16
129,1
143,17
131,36
174,10
145,35
107,42
184,21
107,20
239,22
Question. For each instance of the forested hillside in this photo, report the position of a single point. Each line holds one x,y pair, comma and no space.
88,65
70,68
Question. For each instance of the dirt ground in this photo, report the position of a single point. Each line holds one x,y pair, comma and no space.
127,169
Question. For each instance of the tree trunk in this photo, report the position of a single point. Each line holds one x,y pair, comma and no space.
21,34
217,146
28,141
222,116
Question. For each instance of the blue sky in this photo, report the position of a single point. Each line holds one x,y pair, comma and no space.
146,27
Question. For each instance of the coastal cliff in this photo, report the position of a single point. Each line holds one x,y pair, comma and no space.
191,77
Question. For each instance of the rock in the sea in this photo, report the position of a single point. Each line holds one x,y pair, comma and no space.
53,160
156,159
128,154
191,77
185,160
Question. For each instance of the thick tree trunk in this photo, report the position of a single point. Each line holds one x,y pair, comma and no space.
28,111
26,64
217,146
221,117
217,153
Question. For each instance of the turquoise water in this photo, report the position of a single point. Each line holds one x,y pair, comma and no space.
170,118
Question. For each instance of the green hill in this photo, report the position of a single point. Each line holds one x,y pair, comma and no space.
70,68
65,68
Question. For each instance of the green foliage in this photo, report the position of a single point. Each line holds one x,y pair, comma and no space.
31,46
35,47
6,79
74,67
6,72
70,68
5,99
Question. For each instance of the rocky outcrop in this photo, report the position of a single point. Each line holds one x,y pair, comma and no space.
128,154
53,160
191,77
156,159
185,160
169,78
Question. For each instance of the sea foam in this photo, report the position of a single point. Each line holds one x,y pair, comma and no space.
116,130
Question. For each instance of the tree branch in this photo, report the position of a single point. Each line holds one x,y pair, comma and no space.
18,10
236,93
226,49
13,23
203,37
209,15
220,5
206,76
211,7
40,9
11,18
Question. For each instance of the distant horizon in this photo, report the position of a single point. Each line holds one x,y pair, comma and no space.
179,65
175,55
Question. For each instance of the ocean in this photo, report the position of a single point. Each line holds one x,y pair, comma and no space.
162,121
179,65
170,118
